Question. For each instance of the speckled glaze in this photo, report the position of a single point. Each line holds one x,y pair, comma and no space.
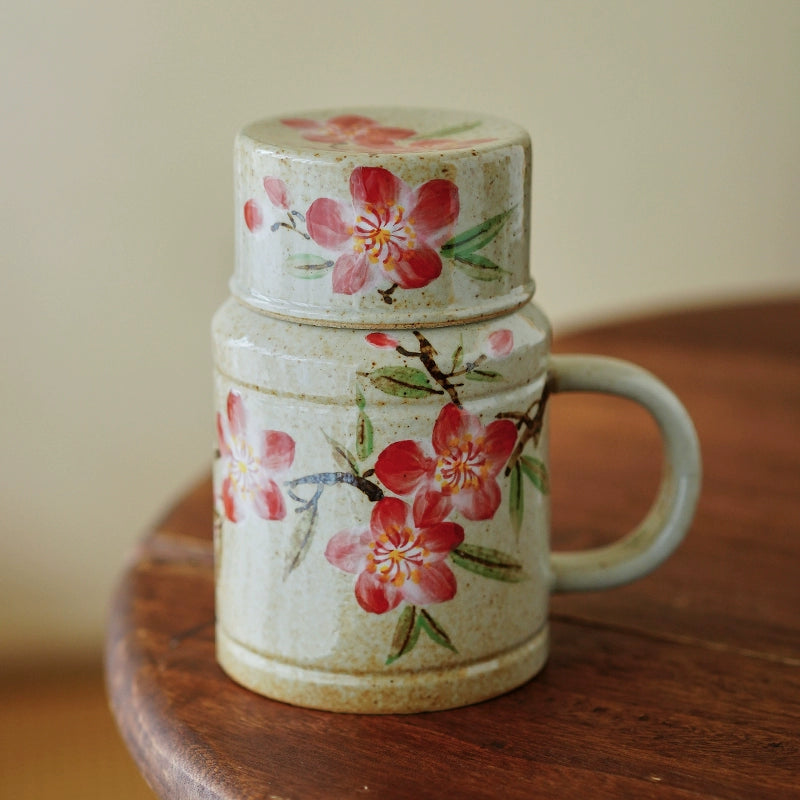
381,479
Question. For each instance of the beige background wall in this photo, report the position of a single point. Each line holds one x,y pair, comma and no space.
667,144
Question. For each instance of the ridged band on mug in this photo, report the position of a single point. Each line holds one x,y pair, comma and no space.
383,693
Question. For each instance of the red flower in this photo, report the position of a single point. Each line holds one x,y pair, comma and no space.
381,340
460,474
500,343
389,230
277,191
349,129
250,465
397,558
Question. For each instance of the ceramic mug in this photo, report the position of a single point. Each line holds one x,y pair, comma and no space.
382,386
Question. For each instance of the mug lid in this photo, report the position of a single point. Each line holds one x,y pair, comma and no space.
383,217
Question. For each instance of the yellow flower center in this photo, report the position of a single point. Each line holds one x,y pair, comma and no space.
243,468
383,233
462,467
397,556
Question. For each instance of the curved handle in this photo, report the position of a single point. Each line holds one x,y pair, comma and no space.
662,530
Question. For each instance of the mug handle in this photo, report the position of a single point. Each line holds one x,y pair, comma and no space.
645,547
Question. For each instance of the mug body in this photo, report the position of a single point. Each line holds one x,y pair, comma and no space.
381,474
381,509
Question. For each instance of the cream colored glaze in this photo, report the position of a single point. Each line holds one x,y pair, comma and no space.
381,480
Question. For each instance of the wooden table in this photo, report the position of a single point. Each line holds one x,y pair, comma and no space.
683,685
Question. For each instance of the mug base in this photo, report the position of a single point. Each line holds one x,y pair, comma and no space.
392,692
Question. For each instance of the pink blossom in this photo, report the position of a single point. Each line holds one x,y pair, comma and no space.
500,343
251,461
397,558
381,340
278,192
460,471
387,230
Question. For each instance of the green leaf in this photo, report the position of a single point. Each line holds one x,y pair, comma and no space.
516,498
363,435
300,539
458,356
536,471
475,238
406,634
307,266
343,457
361,401
402,382
479,268
483,375
488,563
434,630
407,630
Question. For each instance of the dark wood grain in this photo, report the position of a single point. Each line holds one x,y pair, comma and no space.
683,685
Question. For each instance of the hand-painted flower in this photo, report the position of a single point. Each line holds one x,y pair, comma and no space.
460,474
277,191
397,558
500,343
253,217
349,129
389,230
250,465
381,340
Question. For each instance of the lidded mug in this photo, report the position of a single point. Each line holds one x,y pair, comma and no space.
382,380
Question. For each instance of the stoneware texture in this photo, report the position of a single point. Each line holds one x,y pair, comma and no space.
381,479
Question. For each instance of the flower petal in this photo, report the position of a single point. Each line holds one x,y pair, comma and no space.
450,427
416,268
481,503
377,339
402,466
277,191
328,223
230,501
435,211
374,186
440,539
222,439
237,420
391,512
436,585
268,501
431,507
351,273
302,124
379,136
498,442
277,451
347,551
374,595
500,343
349,123
253,217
